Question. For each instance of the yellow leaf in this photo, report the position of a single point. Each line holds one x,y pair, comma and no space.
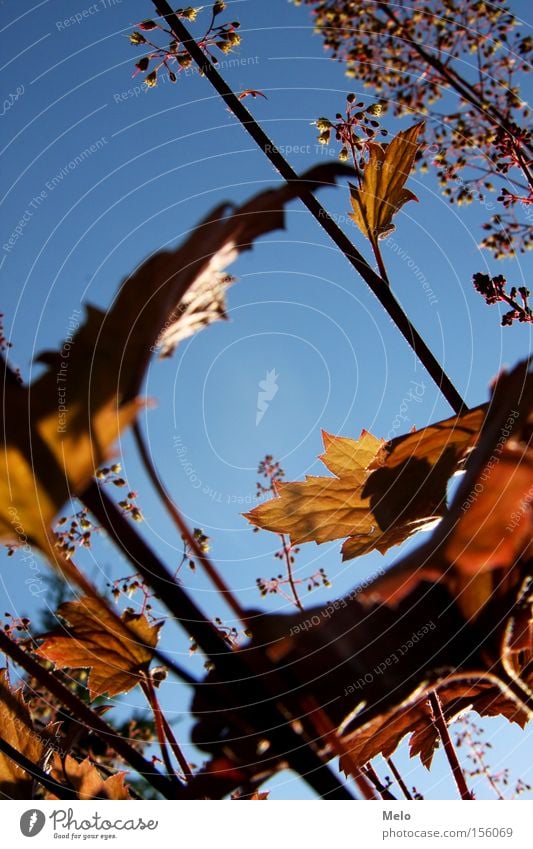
96,641
45,459
382,493
17,730
85,779
343,456
319,509
382,192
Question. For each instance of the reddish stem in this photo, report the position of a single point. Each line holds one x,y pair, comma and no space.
176,748
379,260
287,555
149,691
383,791
401,783
183,528
456,768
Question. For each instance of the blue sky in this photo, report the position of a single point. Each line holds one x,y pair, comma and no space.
162,158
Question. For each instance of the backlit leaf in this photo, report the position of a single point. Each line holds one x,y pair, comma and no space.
96,641
17,730
85,779
382,192
382,735
382,493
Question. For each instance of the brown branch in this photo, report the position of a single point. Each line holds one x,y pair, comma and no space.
327,730
383,791
285,741
376,284
442,727
379,259
176,748
155,573
164,732
148,690
397,775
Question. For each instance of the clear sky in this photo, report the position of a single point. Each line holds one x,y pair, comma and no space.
158,161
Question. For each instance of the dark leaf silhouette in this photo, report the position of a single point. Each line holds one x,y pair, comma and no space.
53,443
489,528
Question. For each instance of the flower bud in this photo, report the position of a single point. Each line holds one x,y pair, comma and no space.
190,13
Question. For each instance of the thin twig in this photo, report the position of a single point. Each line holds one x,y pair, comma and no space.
379,259
397,775
383,791
354,257
148,689
477,756
287,556
164,732
176,748
183,528
146,562
442,727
